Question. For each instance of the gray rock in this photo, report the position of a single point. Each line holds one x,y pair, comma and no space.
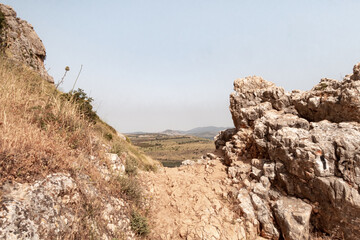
264,216
54,207
310,142
293,216
116,163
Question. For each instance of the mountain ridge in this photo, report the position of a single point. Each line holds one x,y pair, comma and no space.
208,132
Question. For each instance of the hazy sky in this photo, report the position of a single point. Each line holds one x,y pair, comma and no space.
160,64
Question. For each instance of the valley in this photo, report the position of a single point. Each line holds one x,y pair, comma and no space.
171,150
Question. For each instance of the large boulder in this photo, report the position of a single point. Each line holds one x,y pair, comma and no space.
19,42
293,217
308,142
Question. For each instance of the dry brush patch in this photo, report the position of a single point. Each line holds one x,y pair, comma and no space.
40,133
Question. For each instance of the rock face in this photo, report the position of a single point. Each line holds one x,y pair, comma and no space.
307,145
20,42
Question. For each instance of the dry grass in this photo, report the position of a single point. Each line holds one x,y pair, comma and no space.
42,133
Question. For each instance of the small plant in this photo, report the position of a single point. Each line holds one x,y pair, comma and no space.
108,136
131,188
131,166
67,68
139,224
117,148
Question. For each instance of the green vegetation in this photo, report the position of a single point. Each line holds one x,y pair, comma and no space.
172,150
139,224
130,187
83,102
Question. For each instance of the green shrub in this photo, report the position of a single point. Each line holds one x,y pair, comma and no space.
80,98
139,224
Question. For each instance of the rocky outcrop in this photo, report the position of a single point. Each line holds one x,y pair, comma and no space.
306,145
19,42
59,207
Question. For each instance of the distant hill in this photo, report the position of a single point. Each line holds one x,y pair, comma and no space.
204,132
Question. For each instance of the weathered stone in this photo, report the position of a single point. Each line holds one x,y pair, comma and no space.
116,163
187,162
54,206
232,172
211,156
264,216
255,172
310,142
356,72
248,212
20,42
269,170
293,216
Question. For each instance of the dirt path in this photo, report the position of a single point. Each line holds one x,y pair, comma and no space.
190,202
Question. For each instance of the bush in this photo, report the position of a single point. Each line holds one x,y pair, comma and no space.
80,98
139,224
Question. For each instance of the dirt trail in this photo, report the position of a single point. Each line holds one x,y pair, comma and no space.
190,202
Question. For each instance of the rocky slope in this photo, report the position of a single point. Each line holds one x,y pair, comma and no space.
19,42
290,168
303,157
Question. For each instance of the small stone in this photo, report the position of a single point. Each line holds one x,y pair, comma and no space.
187,162
211,156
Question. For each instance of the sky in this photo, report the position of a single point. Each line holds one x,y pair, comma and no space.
170,64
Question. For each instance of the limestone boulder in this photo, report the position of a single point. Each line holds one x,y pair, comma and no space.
308,144
293,217
19,42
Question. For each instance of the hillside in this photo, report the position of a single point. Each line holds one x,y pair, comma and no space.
64,173
201,132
